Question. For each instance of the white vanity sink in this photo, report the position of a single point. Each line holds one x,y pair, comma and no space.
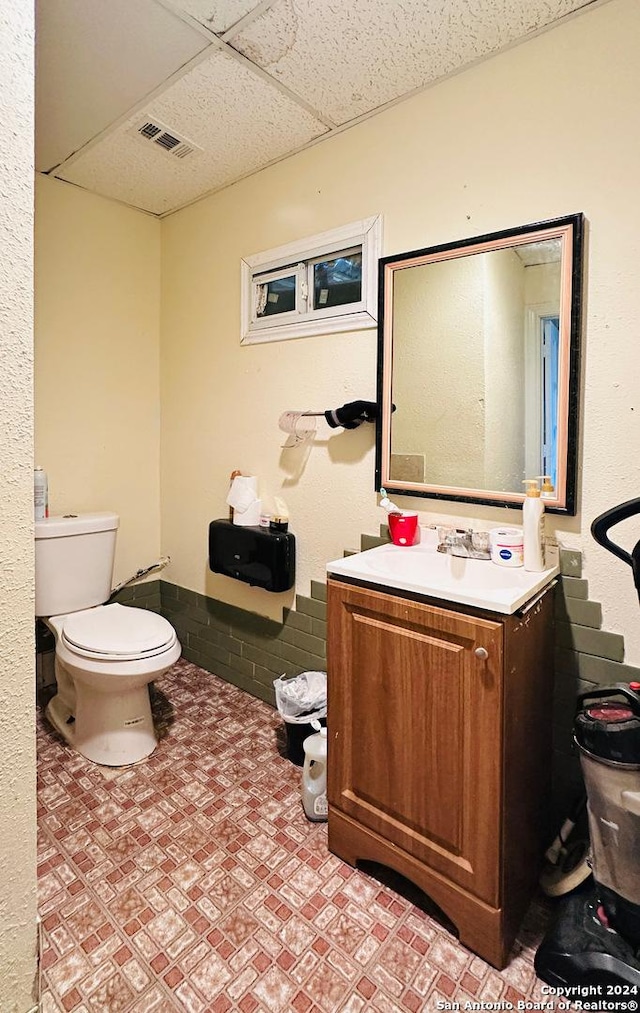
423,570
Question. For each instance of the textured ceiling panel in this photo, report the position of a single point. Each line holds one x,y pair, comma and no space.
216,15
347,59
281,74
94,61
240,120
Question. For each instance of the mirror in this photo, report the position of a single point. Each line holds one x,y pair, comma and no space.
478,366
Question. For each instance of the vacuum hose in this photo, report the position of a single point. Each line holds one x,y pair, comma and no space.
600,531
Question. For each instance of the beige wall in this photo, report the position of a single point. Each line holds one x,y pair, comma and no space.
97,363
439,348
458,339
504,370
17,675
221,402
535,133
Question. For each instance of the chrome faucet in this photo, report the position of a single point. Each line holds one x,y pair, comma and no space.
458,542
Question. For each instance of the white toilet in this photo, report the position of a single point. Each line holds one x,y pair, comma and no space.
106,655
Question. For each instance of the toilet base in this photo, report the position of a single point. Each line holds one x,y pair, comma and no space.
61,717
112,730
102,708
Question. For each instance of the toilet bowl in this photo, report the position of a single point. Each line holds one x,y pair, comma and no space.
105,659
106,654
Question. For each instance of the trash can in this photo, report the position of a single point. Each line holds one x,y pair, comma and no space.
296,734
301,699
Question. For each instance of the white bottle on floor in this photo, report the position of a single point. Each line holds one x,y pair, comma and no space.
533,525
314,775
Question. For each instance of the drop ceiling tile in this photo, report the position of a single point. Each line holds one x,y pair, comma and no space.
216,15
240,120
347,59
95,60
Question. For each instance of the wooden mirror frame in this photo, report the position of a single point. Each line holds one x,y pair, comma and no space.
570,231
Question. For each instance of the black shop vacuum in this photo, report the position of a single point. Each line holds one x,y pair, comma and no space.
595,939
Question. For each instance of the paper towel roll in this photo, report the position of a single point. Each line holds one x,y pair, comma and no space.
249,517
243,492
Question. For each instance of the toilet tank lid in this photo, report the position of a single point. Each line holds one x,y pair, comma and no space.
76,524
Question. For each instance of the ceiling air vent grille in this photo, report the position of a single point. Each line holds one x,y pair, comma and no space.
165,137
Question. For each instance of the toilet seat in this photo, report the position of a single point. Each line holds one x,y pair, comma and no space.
117,632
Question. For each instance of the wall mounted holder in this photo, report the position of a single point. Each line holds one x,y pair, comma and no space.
302,430
257,556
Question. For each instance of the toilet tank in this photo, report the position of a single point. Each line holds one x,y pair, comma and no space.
74,562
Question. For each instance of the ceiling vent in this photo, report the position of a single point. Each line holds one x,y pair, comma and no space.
155,132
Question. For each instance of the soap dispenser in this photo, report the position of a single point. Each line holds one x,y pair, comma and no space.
547,490
533,525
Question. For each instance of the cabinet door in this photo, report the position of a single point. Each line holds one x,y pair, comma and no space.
415,736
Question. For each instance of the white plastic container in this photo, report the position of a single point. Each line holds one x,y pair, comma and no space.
314,776
40,494
507,548
533,524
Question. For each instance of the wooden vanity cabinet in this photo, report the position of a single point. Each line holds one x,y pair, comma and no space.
439,753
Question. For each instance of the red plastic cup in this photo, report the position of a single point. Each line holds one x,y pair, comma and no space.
403,527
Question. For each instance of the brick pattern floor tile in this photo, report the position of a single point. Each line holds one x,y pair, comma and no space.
193,882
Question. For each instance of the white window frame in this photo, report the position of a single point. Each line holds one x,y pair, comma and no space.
298,258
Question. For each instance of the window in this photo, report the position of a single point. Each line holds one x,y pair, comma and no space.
320,285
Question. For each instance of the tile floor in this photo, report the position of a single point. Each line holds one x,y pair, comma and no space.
193,882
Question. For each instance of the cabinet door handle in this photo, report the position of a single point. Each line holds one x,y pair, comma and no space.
482,653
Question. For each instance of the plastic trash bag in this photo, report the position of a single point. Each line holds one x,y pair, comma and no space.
303,698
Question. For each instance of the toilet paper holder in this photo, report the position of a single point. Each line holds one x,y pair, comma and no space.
257,556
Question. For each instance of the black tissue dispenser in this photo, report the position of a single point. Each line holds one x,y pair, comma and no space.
258,556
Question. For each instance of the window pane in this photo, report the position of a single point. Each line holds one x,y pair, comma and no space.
324,284
337,282
275,297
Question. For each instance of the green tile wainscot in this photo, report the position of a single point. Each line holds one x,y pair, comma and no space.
251,651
